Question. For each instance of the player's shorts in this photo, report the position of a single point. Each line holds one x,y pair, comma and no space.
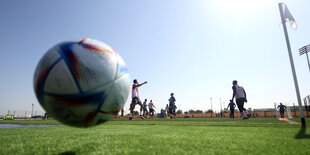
145,108
151,110
240,104
135,100
170,110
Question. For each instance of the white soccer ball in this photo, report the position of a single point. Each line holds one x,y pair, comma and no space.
82,83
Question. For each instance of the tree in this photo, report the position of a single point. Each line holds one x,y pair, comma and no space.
198,112
191,111
209,111
194,111
186,112
179,111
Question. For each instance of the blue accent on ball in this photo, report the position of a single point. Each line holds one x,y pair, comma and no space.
94,97
64,52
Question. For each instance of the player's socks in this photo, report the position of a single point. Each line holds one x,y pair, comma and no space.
243,115
248,114
130,116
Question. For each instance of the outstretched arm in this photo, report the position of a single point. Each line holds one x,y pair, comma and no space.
138,85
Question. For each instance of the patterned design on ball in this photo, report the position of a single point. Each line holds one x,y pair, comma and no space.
82,83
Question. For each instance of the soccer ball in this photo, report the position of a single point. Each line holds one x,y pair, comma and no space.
82,83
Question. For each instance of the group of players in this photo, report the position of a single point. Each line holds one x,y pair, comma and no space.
144,106
238,93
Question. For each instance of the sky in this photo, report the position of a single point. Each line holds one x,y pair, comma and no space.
194,49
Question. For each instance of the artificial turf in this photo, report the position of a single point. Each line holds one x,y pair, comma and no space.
161,136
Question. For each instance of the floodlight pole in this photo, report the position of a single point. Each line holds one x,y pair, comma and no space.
303,122
221,104
275,110
308,61
304,50
211,106
32,110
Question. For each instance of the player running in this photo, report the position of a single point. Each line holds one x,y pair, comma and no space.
135,98
172,106
240,95
151,109
145,111
174,111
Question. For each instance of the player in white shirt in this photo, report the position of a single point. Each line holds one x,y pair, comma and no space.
135,98
240,95
151,109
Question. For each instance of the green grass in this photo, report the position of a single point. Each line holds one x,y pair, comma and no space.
160,136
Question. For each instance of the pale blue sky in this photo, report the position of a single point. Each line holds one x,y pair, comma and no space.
193,48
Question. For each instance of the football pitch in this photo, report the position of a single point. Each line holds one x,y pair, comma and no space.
160,136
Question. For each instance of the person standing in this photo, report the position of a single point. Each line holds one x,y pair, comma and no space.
167,111
282,108
232,106
145,111
240,95
151,109
171,105
135,99
122,112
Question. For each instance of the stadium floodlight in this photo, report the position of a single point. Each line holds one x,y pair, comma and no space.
285,17
303,50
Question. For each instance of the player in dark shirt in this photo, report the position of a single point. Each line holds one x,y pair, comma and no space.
232,106
282,108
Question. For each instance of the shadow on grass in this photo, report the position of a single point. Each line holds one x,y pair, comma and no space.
302,134
67,153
